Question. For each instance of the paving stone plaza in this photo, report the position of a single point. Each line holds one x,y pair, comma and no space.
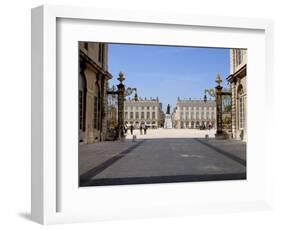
162,155
169,119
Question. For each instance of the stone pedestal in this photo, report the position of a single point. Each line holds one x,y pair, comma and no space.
168,122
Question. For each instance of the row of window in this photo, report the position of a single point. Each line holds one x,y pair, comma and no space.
193,124
140,107
137,115
206,115
196,108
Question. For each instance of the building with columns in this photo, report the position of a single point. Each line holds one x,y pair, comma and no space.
238,83
190,113
93,84
143,111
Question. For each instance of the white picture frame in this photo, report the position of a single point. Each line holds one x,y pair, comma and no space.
47,184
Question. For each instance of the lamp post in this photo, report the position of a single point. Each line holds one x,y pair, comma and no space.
219,106
218,93
211,93
121,94
121,98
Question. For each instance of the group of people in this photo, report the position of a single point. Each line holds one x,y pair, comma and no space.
209,126
143,129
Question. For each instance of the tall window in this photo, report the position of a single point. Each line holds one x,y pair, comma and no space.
126,115
81,109
153,115
137,115
148,115
142,115
131,115
101,52
95,120
241,106
241,112
238,57
82,101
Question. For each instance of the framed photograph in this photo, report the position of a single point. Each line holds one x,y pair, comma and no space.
141,114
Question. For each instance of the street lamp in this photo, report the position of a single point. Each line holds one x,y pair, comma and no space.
130,91
219,132
205,98
217,93
211,93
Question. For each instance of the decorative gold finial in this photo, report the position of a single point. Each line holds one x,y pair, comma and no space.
121,77
218,79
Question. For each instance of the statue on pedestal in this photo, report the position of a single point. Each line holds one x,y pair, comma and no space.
168,119
168,109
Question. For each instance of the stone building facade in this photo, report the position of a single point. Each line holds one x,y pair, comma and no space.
93,84
238,83
191,114
143,111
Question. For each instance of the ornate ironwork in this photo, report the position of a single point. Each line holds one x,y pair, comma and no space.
219,105
211,92
223,104
121,93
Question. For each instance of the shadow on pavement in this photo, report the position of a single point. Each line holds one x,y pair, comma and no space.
87,178
165,179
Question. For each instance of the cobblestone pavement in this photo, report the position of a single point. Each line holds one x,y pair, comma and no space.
156,158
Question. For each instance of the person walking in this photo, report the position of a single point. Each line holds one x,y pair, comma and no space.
145,130
140,129
132,129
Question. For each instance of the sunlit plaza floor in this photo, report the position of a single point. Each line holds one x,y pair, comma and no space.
162,155
171,133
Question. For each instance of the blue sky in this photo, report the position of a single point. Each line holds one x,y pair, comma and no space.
168,72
